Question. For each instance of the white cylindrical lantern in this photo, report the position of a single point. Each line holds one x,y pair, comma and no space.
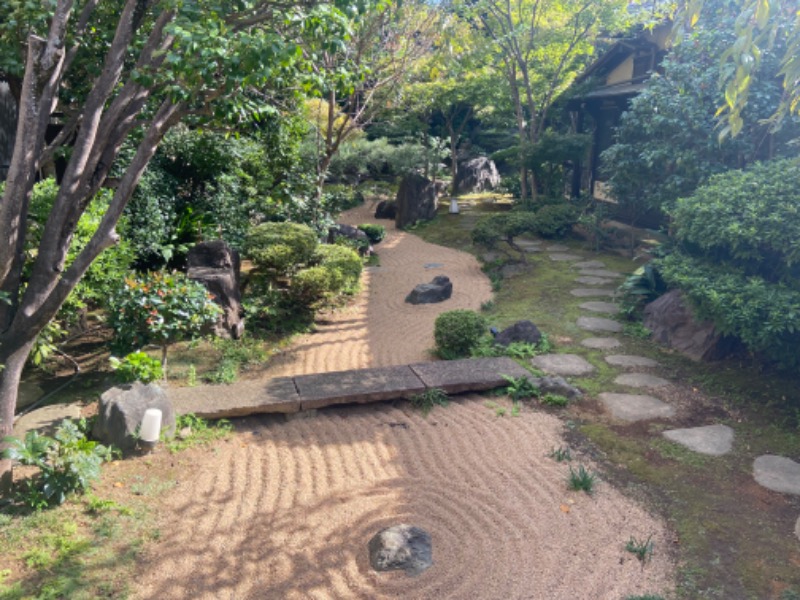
150,430
453,206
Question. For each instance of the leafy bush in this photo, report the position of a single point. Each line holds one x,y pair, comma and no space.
640,288
554,220
159,308
235,354
315,284
343,260
503,227
137,366
457,332
281,248
67,462
375,233
428,399
520,388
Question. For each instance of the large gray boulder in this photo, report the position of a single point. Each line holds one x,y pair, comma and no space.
556,385
402,547
438,290
521,331
216,265
476,175
673,324
416,200
122,409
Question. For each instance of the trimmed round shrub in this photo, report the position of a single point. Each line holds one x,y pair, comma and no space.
281,247
554,220
345,261
375,233
315,284
457,332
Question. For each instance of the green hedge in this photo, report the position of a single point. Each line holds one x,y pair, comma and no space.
345,261
281,248
457,332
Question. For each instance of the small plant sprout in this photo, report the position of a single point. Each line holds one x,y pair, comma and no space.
581,480
520,388
561,454
554,400
428,399
515,409
641,549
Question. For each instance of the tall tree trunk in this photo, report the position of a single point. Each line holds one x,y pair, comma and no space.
13,354
522,135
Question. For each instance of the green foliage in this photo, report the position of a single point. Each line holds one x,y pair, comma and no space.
555,220
67,462
457,332
343,263
428,399
520,388
159,308
375,233
561,454
281,248
640,288
518,350
549,155
549,221
315,284
137,366
235,355
361,158
636,330
581,480
641,549
554,400
191,430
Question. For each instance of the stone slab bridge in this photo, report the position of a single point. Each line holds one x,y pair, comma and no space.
308,392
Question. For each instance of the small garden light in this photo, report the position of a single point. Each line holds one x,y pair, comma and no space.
150,430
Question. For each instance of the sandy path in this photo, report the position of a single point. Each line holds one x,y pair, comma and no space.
398,333
284,510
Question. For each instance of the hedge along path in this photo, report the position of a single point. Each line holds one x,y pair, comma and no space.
379,329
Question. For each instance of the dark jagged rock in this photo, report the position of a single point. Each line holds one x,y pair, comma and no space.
416,200
401,547
521,331
557,385
386,209
216,265
438,290
340,230
477,175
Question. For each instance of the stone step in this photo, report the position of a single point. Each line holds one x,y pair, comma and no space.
599,324
601,307
600,273
589,292
564,257
626,360
777,473
563,364
601,343
592,280
713,440
641,380
635,407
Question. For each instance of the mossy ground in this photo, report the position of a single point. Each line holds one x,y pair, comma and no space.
732,538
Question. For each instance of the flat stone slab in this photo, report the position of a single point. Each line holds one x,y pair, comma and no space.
714,440
557,248
590,264
592,280
635,407
601,343
626,360
599,324
601,307
797,528
358,386
777,473
563,364
601,273
589,292
468,374
277,395
564,257
641,380
45,419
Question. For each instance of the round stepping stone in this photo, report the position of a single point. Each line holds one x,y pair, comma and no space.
563,364
589,292
601,343
777,473
635,407
600,273
601,307
641,380
599,324
624,360
714,440
45,419
590,264
564,257
797,528
592,280
557,248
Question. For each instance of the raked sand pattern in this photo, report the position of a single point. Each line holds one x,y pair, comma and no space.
285,511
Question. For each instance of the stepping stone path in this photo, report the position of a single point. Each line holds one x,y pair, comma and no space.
592,280
601,307
599,324
777,473
624,360
589,292
635,407
564,257
600,273
557,248
714,440
641,380
563,364
590,264
601,343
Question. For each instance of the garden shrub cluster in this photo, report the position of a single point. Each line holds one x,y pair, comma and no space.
458,332
549,221
737,254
